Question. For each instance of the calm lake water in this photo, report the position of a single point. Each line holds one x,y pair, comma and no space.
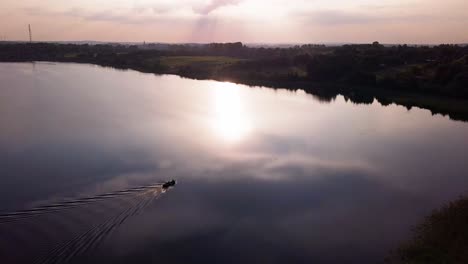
264,175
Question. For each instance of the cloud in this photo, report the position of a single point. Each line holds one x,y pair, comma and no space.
336,17
213,5
329,17
133,16
159,8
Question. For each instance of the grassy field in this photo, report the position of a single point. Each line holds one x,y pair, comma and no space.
181,61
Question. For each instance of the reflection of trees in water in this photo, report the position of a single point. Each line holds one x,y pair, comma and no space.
441,238
454,109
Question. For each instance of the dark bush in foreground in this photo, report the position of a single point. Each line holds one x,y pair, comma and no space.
441,238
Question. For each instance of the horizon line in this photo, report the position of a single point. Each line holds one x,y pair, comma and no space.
245,43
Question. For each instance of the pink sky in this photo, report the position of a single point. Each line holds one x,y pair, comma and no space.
260,21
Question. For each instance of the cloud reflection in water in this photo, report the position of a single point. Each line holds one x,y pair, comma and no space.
264,175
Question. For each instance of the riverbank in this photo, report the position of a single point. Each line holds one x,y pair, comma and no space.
308,68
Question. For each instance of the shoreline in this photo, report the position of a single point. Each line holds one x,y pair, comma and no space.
455,108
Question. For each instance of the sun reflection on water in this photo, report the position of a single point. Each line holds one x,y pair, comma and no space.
230,121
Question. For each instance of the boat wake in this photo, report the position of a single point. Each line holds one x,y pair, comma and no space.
70,230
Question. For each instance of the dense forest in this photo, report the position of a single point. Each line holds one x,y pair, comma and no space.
432,77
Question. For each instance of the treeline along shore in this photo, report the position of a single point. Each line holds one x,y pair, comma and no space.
430,77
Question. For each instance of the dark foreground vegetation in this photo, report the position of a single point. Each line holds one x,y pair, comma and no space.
441,238
435,78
